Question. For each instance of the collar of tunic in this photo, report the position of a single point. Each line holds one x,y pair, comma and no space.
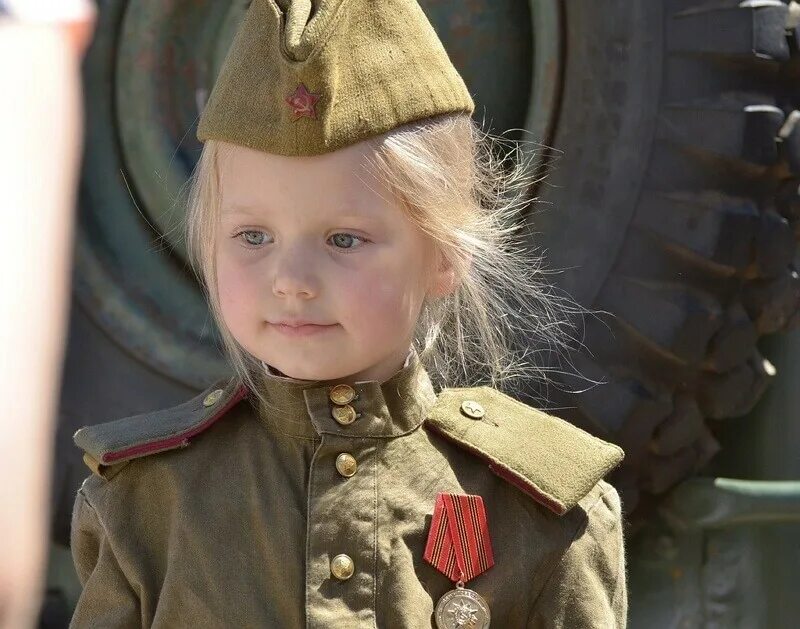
302,408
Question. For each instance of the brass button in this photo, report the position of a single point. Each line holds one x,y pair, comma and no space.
342,394
346,464
212,398
472,409
344,414
342,567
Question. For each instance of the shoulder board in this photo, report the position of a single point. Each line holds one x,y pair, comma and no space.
551,460
109,445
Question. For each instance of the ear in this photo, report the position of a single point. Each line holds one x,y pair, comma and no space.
443,279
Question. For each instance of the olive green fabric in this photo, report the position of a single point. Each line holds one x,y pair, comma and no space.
237,525
370,65
110,445
554,461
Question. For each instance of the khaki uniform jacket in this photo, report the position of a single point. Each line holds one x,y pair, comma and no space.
219,513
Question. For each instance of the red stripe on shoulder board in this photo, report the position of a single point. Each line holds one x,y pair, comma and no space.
503,472
175,440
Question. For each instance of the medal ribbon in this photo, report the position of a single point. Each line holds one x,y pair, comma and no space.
458,541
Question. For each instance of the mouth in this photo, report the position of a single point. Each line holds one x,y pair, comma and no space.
300,329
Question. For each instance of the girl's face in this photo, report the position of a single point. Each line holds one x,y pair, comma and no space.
303,239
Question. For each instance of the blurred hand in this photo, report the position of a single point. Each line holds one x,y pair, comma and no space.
41,46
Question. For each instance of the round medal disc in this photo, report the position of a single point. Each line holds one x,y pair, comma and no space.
462,608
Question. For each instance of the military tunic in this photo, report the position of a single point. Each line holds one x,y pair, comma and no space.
220,513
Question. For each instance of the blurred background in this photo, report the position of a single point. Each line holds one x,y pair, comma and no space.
671,202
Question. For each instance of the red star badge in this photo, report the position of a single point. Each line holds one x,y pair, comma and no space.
302,102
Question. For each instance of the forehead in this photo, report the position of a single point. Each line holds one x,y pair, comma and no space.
250,178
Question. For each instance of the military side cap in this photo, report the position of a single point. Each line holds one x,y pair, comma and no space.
109,446
546,457
304,77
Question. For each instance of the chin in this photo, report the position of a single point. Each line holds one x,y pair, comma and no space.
299,372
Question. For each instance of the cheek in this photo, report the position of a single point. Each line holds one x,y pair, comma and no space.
236,294
382,299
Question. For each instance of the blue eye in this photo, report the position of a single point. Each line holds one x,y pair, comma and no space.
347,238
246,235
256,238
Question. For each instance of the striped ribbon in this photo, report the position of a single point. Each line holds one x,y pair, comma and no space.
458,541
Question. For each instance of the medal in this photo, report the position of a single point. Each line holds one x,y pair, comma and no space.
458,545
462,607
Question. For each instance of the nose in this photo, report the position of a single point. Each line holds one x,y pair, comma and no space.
293,275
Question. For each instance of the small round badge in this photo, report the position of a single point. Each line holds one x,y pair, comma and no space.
472,409
462,607
342,567
342,394
212,398
344,414
346,464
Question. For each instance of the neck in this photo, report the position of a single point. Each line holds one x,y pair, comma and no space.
363,376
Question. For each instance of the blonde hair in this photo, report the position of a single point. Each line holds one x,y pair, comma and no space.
456,184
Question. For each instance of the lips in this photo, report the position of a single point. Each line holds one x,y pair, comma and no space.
296,323
299,328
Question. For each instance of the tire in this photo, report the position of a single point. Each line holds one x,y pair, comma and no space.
674,209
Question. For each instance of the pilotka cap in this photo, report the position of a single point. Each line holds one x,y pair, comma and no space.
305,77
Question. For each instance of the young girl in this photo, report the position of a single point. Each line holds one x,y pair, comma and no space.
361,468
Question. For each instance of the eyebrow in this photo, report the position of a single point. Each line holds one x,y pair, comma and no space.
239,209
250,210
